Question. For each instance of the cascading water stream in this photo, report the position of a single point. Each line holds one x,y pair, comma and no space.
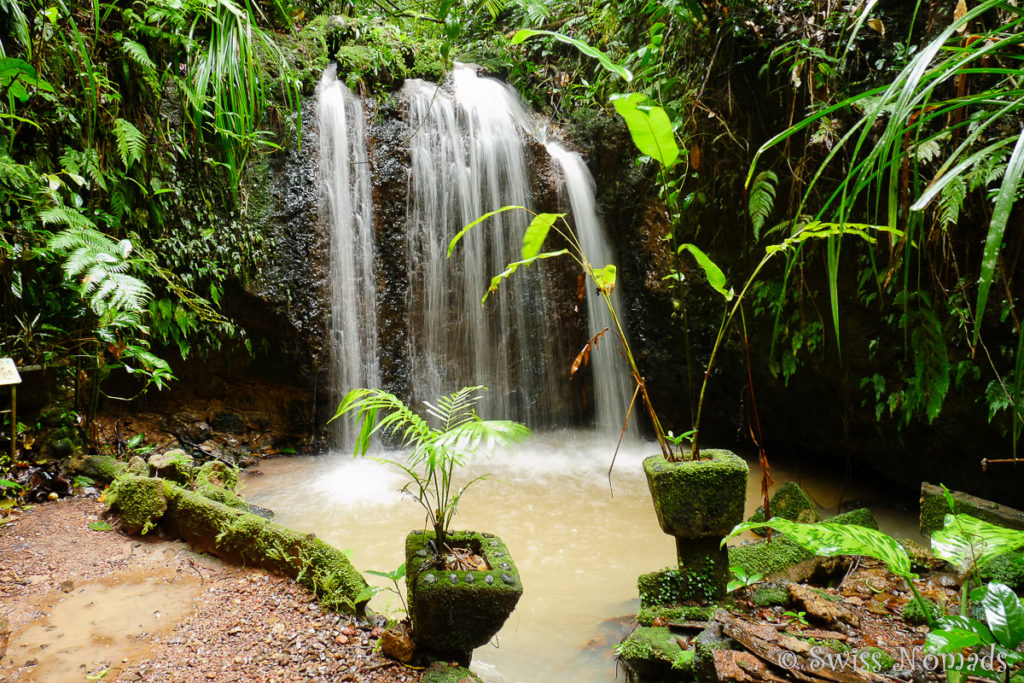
348,208
469,156
613,385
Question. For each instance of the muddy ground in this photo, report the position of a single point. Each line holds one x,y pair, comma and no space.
90,603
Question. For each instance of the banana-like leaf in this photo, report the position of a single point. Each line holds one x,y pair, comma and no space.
537,232
1005,200
511,268
481,219
716,278
601,57
828,539
649,126
969,542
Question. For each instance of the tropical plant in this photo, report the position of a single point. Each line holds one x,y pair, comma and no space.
995,641
438,452
941,137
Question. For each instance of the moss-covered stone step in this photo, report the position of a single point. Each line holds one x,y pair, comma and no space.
789,502
654,653
230,532
934,509
785,559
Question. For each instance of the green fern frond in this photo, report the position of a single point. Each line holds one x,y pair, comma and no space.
762,200
138,54
951,200
100,266
131,143
63,215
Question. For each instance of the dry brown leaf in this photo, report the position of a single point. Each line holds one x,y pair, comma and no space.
958,14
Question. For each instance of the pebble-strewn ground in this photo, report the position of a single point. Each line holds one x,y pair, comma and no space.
201,620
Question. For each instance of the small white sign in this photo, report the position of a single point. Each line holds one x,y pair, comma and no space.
9,372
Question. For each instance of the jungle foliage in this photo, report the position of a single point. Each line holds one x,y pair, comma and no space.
125,128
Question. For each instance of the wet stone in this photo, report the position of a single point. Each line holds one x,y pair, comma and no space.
493,543
417,532
429,579
507,578
489,579
453,577
470,578
505,565
499,554
422,552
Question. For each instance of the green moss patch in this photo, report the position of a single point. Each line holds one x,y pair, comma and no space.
789,502
678,613
140,501
444,672
770,595
698,498
653,652
769,559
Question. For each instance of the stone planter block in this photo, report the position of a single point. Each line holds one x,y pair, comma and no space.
698,498
454,612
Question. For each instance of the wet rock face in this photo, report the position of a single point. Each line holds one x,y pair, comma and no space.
389,155
285,305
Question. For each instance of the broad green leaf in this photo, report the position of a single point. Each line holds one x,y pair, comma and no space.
968,542
1004,614
481,219
511,268
965,624
605,278
649,126
537,232
1005,199
716,278
605,61
951,640
828,539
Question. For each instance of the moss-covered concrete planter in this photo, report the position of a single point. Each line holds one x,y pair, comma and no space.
698,502
698,498
454,612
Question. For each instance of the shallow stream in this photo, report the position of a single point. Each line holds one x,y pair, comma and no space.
579,549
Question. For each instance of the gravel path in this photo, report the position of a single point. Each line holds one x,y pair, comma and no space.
78,602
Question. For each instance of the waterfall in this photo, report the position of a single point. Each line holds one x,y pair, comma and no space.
468,156
613,385
347,205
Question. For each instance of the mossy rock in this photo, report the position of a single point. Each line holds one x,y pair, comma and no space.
138,466
875,659
455,611
698,498
703,582
175,464
648,615
445,672
1007,569
789,502
653,653
98,467
935,507
770,559
141,501
237,536
770,594
921,612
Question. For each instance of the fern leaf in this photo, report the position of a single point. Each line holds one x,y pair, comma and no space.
951,200
63,215
131,143
138,54
762,200
931,364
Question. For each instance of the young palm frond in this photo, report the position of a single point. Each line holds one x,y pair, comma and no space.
437,451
